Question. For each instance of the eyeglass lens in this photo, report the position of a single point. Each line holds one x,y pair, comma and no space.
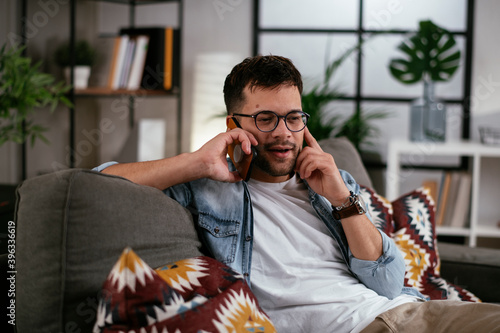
267,121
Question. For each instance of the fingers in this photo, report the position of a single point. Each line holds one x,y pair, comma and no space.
311,160
310,140
312,157
233,177
246,139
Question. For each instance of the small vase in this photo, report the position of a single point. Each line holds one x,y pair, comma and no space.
81,79
428,116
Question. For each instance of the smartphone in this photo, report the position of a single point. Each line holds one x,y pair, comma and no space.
241,161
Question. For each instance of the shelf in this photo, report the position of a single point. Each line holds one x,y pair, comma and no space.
487,231
474,150
450,231
137,2
459,147
104,91
480,231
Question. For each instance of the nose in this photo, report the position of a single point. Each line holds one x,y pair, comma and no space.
281,129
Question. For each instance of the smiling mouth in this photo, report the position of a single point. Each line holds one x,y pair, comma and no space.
283,150
280,151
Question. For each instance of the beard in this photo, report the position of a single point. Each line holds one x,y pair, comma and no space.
279,167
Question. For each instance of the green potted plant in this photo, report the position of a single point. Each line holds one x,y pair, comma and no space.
430,55
85,57
23,89
322,124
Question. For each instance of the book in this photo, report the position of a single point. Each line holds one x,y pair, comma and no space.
118,61
114,58
139,60
127,63
431,185
461,207
452,198
443,198
161,69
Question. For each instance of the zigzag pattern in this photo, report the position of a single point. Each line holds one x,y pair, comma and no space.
241,313
417,260
194,295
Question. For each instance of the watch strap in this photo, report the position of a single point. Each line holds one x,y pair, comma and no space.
343,211
346,212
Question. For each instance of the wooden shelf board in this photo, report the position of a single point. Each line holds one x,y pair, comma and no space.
138,2
104,91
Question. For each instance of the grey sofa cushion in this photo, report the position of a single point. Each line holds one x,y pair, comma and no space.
347,158
476,269
72,226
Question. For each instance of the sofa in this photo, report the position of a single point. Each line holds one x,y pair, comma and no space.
73,226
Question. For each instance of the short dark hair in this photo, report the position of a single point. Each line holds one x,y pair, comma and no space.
267,72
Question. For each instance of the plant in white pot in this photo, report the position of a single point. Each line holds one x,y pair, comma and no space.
85,56
431,55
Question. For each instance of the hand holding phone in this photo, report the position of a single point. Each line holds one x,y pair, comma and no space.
243,162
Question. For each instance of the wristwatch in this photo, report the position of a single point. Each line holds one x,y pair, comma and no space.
354,205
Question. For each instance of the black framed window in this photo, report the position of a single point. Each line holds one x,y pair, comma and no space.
313,33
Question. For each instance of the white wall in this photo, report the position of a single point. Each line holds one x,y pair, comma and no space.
486,68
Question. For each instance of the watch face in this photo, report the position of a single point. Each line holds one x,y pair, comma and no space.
361,204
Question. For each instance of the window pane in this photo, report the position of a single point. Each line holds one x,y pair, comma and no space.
322,14
310,53
377,79
405,14
341,109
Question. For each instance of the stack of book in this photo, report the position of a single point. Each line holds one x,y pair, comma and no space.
145,58
453,203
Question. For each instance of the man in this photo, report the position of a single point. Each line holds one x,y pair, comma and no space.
313,267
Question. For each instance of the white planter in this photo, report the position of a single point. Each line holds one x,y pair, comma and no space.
82,75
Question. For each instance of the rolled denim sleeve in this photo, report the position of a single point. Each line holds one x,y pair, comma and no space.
104,166
385,275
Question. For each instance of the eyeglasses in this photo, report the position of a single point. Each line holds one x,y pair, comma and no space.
267,121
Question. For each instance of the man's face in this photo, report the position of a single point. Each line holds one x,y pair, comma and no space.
277,150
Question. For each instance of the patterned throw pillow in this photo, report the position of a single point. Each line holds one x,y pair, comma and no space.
193,295
380,209
415,236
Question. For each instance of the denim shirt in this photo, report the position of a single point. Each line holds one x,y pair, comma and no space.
224,218
223,213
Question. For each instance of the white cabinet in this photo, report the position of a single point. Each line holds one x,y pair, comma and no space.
478,227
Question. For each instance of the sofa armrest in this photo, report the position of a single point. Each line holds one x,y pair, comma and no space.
476,269
71,227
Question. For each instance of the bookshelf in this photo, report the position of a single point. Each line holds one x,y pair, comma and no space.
478,225
100,92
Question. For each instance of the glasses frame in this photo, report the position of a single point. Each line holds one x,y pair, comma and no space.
254,116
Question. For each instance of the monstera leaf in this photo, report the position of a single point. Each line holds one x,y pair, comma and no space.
430,53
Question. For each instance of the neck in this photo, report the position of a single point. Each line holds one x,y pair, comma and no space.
262,176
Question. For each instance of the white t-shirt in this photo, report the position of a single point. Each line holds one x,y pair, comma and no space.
298,274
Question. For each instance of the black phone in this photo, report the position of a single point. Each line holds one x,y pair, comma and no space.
243,162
